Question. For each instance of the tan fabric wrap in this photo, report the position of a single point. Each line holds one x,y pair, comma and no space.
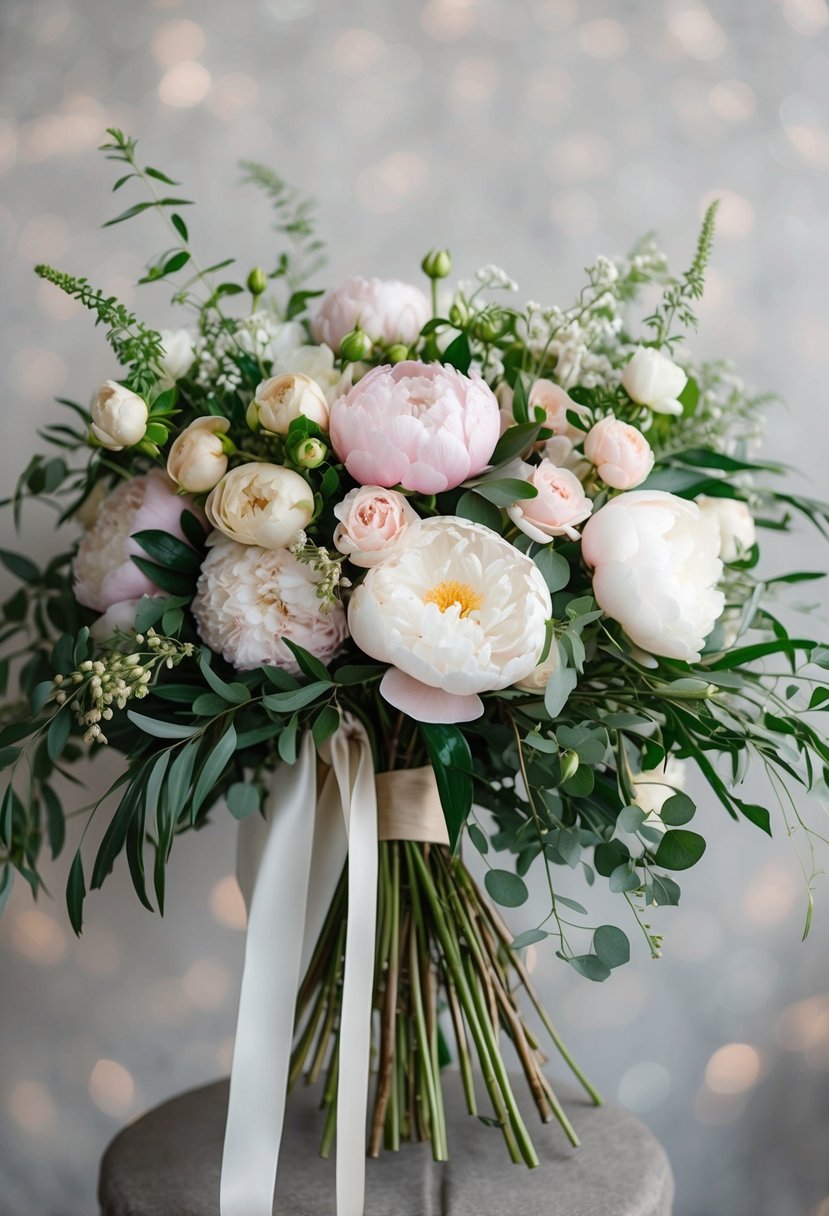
408,806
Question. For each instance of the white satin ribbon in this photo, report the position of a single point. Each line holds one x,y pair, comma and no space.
289,864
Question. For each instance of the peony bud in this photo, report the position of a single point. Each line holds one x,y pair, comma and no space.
198,457
653,379
397,353
119,417
355,346
257,281
282,399
569,762
310,453
261,504
437,264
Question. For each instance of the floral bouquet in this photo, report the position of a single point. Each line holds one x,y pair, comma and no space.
381,574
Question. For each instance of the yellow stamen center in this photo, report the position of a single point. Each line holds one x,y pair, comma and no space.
450,592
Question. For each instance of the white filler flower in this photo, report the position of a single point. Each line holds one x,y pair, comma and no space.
655,570
457,611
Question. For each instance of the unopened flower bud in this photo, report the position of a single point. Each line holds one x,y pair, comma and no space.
485,329
437,264
257,281
569,762
355,346
458,315
397,353
310,453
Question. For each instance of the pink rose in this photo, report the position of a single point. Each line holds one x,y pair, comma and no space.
103,569
621,453
424,426
559,505
389,311
373,525
556,403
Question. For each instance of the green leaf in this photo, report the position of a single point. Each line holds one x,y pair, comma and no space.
478,838
208,705
176,582
679,809
452,764
591,967
472,505
135,209
6,884
213,768
358,673
160,177
308,663
116,833
506,888
528,938
554,568
287,702
192,528
758,815
159,729
181,775
21,567
630,819
458,354
168,550
55,819
58,734
8,755
515,442
76,893
504,491
235,694
242,799
179,225
561,683
679,850
326,722
287,742
611,946
624,878
664,892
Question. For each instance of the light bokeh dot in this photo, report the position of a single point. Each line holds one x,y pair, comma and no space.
734,1068
227,905
177,41
185,84
31,1106
112,1088
604,38
38,937
206,984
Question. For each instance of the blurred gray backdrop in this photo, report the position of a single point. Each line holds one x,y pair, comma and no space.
531,133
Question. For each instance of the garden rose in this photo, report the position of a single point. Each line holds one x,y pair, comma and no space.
456,611
197,458
250,599
425,426
178,353
282,399
621,453
261,504
389,311
556,404
119,416
103,571
655,569
653,379
735,522
318,363
374,523
559,505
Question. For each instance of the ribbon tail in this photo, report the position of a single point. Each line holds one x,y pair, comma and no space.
271,977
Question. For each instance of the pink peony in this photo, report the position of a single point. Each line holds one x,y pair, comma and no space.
424,426
249,599
374,523
559,505
103,569
389,311
621,453
556,404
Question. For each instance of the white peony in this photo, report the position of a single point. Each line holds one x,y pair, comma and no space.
261,504
653,379
119,416
656,785
178,353
655,569
249,599
457,611
735,523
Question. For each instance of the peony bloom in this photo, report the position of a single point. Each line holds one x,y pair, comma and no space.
559,505
537,680
653,379
178,354
119,416
118,618
556,404
456,612
621,453
655,569
422,425
735,522
388,311
374,523
103,569
261,504
250,599
197,460
282,399
655,786
89,509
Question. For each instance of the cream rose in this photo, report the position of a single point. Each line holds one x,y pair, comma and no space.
556,404
653,379
374,523
621,453
119,416
197,460
261,504
282,399
735,522
559,505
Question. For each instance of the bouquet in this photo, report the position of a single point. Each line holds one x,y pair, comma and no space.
384,574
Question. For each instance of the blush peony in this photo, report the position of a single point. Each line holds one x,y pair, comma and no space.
103,570
735,522
424,426
621,453
559,505
457,612
387,310
655,570
374,523
250,599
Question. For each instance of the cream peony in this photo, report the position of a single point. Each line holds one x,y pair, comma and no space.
655,786
653,379
735,522
119,416
456,612
655,569
559,505
197,460
282,399
178,353
261,504
250,599
387,310
556,404
621,453
374,523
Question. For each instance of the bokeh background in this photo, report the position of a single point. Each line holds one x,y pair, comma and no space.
531,133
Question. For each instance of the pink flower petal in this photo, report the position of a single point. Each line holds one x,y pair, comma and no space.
427,704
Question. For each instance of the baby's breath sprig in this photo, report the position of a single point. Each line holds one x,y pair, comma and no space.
327,565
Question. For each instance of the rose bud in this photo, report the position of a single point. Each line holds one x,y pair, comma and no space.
198,457
119,417
653,379
310,453
282,399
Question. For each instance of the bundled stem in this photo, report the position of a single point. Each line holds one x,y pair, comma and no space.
443,964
